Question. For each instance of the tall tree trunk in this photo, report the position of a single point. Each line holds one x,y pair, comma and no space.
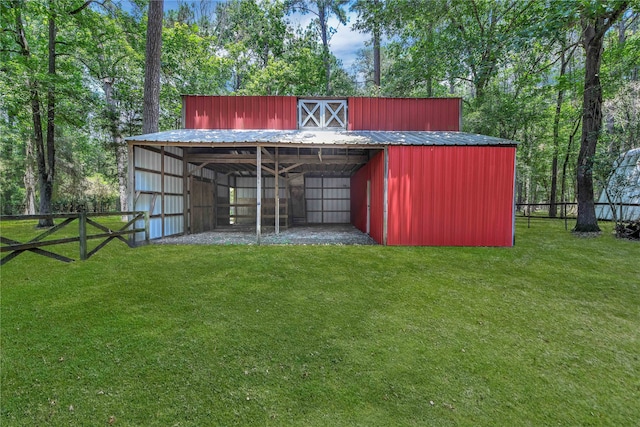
117,141
591,126
565,164
151,105
46,176
634,29
121,165
44,167
593,30
322,18
553,197
29,180
376,53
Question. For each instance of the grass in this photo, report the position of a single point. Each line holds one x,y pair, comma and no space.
545,333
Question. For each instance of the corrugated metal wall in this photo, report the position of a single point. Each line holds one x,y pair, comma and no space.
451,196
328,200
280,112
240,112
246,194
373,172
408,114
158,181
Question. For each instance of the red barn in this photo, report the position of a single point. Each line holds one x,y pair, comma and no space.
398,169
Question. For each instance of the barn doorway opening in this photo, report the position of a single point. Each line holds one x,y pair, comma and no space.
313,187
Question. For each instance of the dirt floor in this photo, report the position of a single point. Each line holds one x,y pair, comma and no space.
342,234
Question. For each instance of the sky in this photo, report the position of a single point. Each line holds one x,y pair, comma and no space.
344,44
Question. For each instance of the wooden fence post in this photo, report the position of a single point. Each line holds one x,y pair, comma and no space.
146,227
82,225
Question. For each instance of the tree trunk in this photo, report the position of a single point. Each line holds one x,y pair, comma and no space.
565,164
634,29
593,30
117,141
121,164
322,18
553,197
591,126
46,176
36,111
151,106
376,56
29,180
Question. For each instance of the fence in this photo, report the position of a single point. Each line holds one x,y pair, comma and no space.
15,248
71,205
566,211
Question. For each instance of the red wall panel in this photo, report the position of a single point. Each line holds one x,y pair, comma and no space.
240,112
374,172
451,196
404,114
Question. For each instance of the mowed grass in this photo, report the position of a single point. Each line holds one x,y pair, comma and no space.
545,333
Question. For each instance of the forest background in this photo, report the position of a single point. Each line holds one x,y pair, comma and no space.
72,79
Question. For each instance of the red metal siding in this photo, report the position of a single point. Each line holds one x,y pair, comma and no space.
451,196
404,114
240,112
374,172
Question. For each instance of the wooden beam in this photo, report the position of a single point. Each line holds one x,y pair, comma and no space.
185,193
162,197
271,171
258,193
199,167
277,195
287,169
294,176
267,153
284,159
152,206
211,159
132,195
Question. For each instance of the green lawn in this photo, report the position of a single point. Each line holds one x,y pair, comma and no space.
545,333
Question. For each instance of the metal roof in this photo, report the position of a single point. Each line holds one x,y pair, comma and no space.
195,137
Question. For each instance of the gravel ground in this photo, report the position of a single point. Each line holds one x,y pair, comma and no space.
307,235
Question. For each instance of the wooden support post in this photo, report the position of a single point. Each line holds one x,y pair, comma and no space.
191,198
277,195
162,199
132,195
147,232
185,191
215,201
258,193
82,228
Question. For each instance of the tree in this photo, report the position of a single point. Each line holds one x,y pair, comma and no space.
370,16
110,56
190,65
252,35
565,58
41,83
153,50
323,9
596,18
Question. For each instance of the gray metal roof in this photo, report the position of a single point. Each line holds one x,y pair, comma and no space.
195,137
